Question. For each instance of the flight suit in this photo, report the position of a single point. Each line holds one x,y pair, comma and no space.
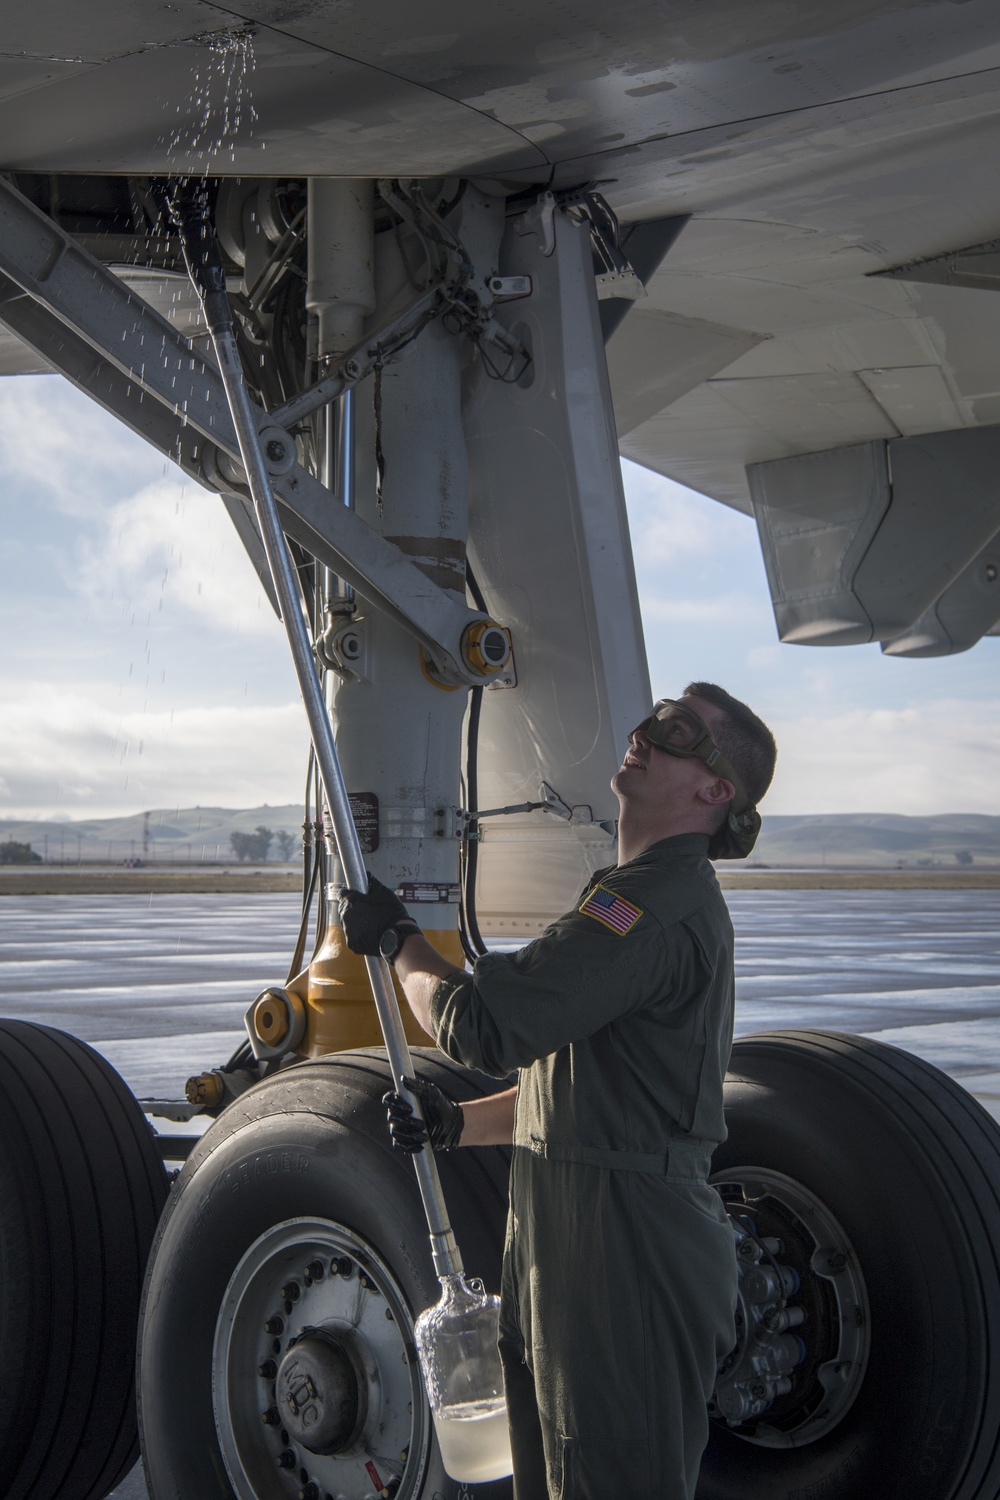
619,1280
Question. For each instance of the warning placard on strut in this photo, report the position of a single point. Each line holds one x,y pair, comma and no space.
364,811
444,892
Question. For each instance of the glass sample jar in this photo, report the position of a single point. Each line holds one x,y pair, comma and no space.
460,1362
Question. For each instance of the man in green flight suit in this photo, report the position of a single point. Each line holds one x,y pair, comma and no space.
619,1281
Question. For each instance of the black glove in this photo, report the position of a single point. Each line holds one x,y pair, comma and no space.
443,1115
365,918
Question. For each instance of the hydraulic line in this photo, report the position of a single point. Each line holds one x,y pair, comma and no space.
308,851
205,267
309,891
322,862
472,938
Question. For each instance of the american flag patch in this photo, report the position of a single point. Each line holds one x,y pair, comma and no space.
613,910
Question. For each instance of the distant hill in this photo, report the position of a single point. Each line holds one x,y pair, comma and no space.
879,839
186,833
834,840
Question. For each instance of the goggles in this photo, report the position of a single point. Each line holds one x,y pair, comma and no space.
678,730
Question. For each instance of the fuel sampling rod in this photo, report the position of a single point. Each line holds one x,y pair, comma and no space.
204,262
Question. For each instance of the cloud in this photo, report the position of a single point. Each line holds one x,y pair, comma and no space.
938,757
113,702
66,754
700,578
54,439
765,657
726,610
135,529
172,547
670,523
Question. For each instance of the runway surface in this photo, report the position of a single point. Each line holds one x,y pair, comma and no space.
160,985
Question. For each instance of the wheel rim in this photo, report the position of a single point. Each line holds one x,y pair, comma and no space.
315,1384
803,1325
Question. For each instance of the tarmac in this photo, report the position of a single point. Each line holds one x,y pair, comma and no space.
159,983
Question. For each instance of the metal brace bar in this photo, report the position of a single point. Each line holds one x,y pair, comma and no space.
360,361
151,357
306,523
85,367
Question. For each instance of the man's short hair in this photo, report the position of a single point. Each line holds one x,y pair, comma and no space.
742,737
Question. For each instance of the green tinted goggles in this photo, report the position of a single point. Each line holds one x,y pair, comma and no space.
678,730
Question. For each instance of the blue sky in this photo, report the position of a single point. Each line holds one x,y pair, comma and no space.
143,668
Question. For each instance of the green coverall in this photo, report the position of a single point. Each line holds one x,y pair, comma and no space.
619,1282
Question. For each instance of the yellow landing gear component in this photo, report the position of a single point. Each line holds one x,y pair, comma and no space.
337,1000
485,646
205,1090
279,1018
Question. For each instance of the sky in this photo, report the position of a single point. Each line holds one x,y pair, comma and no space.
143,668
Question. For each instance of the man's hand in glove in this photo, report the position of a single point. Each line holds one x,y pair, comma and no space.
365,918
443,1115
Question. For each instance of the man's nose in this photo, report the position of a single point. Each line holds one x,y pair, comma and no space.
640,738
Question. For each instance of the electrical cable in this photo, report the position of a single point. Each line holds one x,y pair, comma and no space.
310,871
288,325
307,833
295,967
473,586
242,1058
322,866
470,921
278,263
471,937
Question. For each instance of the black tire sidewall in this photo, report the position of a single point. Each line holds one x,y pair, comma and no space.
861,1159
281,1166
81,1188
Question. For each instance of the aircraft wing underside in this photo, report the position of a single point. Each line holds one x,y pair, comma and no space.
772,362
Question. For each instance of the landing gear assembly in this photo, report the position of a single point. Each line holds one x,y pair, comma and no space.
426,366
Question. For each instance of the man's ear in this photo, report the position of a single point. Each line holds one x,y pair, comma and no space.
717,792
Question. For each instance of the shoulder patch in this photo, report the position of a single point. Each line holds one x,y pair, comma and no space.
610,909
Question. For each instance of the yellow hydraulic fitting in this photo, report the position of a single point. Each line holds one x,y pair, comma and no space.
205,1090
270,1020
275,1022
339,1009
485,647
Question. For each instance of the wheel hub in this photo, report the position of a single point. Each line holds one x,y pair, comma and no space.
316,1389
802,1322
320,1392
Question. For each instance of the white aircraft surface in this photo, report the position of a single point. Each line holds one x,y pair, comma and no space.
752,246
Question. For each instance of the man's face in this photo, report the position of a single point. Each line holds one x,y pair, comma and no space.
653,778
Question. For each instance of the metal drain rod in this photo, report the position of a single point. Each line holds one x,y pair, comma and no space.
189,210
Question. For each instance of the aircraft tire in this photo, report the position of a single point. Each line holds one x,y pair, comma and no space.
903,1165
81,1189
298,1177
